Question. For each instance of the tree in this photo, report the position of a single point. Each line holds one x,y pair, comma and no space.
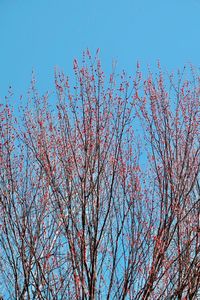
92,209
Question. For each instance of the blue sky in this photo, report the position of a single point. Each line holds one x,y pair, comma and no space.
42,34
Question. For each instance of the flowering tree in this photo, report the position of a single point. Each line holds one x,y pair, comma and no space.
89,208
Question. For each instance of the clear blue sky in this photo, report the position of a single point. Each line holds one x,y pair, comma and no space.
41,34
